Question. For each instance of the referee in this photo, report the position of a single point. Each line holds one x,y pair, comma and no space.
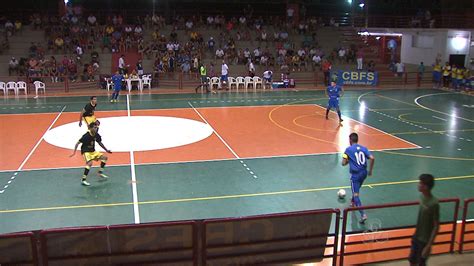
88,112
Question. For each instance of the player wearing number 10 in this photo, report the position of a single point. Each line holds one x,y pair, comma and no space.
356,156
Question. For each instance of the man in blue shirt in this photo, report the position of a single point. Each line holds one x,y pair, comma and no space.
117,80
333,92
356,156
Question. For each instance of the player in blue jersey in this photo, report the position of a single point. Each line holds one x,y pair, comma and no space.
357,156
117,80
333,92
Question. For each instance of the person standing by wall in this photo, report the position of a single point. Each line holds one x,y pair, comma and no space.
427,224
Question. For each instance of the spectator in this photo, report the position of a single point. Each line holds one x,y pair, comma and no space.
371,66
210,44
427,224
219,54
13,66
360,59
121,65
421,70
326,67
139,67
251,69
400,68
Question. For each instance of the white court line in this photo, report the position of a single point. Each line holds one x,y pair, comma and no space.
439,118
211,160
136,211
374,128
436,111
33,150
217,134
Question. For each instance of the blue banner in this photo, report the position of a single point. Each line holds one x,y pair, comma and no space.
355,77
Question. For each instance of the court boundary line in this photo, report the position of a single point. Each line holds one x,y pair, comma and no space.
248,195
31,152
136,211
376,129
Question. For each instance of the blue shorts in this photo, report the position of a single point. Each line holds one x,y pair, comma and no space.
117,89
357,180
436,76
333,103
268,79
224,78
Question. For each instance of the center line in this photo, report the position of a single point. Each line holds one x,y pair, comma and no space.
136,212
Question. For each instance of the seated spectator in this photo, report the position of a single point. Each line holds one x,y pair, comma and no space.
13,66
219,54
186,67
91,20
139,67
211,43
18,25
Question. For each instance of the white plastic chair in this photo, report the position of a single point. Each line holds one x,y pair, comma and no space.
21,85
39,86
257,81
3,87
11,86
110,84
248,83
215,81
240,81
146,81
232,82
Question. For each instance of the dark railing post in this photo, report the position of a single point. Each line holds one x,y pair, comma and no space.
343,237
455,223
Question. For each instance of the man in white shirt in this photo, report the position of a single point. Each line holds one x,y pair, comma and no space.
267,78
219,53
121,64
251,69
92,20
224,74
13,66
257,53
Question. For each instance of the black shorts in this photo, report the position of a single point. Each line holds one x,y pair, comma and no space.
415,252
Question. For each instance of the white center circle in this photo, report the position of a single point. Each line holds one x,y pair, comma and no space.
135,133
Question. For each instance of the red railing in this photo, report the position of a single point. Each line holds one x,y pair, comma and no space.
345,233
465,232
275,238
18,248
100,245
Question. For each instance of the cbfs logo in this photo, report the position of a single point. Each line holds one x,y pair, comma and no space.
358,76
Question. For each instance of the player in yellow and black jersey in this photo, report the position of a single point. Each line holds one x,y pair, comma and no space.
89,153
88,113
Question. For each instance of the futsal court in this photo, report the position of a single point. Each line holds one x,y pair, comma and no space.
196,156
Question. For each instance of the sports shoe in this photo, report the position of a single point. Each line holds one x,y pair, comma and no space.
340,120
112,100
363,219
85,183
103,175
327,118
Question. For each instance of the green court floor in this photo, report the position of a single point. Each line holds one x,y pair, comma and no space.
441,123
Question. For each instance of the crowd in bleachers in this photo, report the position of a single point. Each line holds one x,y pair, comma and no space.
241,40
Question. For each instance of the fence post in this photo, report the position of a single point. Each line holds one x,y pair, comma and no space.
418,80
406,78
180,80
463,225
